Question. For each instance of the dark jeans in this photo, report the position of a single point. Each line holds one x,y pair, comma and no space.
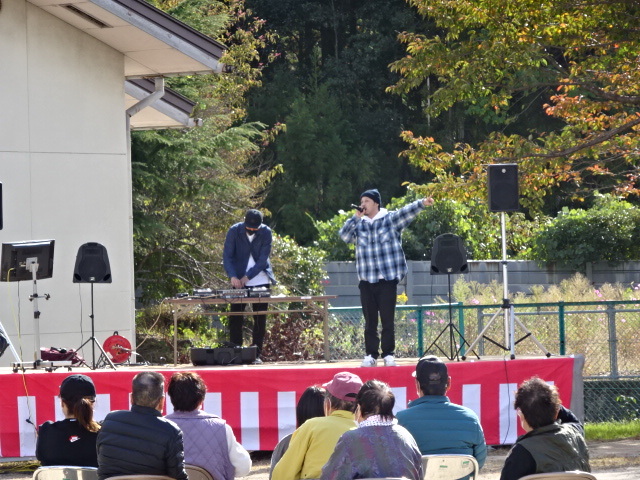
259,323
379,298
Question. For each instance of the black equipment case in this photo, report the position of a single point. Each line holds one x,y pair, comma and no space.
223,355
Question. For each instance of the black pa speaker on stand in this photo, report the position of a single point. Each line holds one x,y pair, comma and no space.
503,187
449,257
92,266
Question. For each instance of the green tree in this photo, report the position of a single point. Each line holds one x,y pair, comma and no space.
327,83
189,186
491,57
320,163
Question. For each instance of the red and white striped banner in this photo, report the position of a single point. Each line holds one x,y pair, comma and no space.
259,402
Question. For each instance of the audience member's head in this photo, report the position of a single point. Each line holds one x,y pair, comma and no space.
342,391
147,390
78,394
376,398
186,391
431,376
310,405
537,402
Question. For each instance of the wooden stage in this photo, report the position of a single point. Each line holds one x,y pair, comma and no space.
258,401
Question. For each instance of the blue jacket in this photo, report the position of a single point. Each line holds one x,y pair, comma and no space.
237,249
440,426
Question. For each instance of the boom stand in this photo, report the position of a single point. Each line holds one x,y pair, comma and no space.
510,319
103,355
453,351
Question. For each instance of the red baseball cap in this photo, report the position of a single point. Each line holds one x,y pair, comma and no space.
345,386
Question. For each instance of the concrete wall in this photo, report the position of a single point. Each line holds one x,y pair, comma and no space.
421,287
65,175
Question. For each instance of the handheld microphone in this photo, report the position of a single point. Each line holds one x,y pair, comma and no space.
357,207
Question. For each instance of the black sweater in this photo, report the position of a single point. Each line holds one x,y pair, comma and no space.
66,443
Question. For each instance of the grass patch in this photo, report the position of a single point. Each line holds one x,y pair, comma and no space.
26,466
612,430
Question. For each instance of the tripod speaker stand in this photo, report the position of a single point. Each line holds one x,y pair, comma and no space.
449,257
92,266
503,197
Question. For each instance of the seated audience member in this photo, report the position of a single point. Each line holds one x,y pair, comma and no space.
208,441
71,441
554,438
141,440
379,447
439,426
310,405
312,444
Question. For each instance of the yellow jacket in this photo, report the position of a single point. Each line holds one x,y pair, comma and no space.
311,446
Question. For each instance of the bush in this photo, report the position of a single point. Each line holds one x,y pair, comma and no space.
299,270
606,232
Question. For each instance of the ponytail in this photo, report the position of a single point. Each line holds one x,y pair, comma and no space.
82,410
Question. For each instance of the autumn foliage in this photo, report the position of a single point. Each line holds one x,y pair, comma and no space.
492,56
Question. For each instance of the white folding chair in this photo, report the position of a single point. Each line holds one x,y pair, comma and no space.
65,472
197,473
141,476
572,475
449,467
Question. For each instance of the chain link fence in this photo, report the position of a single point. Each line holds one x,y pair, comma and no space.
607,333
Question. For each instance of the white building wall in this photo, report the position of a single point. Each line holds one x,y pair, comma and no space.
65,175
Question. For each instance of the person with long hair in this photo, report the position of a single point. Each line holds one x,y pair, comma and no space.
71,441
310,405
379,447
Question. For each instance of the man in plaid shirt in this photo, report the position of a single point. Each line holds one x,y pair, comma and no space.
381,265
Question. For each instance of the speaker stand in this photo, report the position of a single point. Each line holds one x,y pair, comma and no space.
103,360
510,319
452,329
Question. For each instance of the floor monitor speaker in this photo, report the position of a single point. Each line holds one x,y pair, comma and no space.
92,264
448,255
503,187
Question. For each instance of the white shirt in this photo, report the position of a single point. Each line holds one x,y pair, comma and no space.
260,279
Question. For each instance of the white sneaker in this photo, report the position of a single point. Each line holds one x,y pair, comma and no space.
368,361
389,361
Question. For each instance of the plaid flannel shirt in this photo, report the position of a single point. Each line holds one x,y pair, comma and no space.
378,243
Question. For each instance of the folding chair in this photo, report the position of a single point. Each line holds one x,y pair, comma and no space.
449,467
197,473
572,475
65,472
141,477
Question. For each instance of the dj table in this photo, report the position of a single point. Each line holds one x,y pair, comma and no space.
315,305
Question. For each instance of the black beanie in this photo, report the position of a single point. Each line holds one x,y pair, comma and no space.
374,195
